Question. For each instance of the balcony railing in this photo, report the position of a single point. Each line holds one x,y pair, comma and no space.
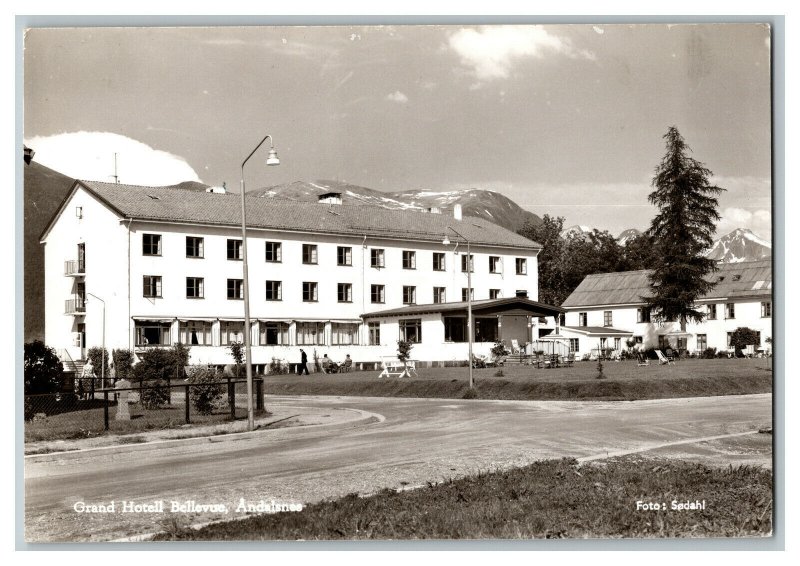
74,267
75,306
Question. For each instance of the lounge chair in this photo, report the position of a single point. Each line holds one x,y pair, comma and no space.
515,349
641,359
662,359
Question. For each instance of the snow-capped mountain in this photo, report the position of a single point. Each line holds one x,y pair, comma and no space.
578,230
628,235
740,245
489,205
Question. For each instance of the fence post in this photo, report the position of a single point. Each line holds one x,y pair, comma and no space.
91,387
232,398
260,395
186,402
105,410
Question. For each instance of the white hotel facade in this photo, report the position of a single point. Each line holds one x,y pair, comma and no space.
140,267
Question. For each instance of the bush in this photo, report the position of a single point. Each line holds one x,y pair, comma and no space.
404,350
709,353
743,337
180,355
276,367
499,350
156,364
43,369
98,356
237,353
206,390
470,393
154,395
123,363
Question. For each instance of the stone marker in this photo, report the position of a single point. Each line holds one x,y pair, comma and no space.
123,414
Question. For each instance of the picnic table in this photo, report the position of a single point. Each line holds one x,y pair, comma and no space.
394,367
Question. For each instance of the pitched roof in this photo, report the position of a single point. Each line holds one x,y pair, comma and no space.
483,305
180,206
745,279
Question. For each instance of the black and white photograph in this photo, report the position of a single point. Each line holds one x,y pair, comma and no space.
398,282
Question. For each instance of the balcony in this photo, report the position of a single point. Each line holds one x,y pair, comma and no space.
74,268
76,306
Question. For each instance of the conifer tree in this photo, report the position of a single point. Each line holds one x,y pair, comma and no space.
682,231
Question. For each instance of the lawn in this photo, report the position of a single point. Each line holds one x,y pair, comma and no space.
621,381
548,499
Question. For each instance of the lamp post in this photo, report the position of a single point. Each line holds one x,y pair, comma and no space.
446,242
272,159
103,355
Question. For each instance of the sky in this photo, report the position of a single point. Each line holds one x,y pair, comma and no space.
565,120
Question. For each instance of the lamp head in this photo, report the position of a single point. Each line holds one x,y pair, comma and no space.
446,241
272,158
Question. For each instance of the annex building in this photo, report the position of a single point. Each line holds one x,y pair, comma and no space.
608,309
142,267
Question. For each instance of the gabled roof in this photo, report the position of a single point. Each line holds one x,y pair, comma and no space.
745,279
484,306
180,206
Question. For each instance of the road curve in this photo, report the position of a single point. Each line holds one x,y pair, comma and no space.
420,440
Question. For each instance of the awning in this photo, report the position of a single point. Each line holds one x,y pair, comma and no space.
196,319
152,319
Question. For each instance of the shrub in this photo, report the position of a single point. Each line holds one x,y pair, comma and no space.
98,356
237,353
709,353
600,368
43,369
123,362
743,337
206,390
180,355
470,393
499,350
157,364
154,395
276,367
404,350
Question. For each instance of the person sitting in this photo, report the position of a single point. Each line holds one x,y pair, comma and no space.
328,365
347,364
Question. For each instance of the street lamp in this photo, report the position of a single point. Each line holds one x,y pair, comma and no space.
103,355
446,242
272,159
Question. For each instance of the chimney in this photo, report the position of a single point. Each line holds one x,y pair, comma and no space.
28,157
457,212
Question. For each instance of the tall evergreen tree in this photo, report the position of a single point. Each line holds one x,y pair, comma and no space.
681,231
551,258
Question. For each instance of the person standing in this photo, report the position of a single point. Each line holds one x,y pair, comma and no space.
303,363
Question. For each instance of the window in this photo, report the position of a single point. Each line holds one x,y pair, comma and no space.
562,319
309,292
344,292
643,314
617,343
439,295
411,330
230,332
494,293
152,286
471,260
378,294
195,333
438,261
273,252
494,264
374,333
582,316
467,292
309,253
235,289
766,309
194,246
376,258
638,339
409,259
344,256
574,345
702,342
521,293
712,312
730,311
607,318
82,258
344,334
409,295
728,341
455,329
522,266
152,333
486,329
274,291
151,244
273,334
235,249
194,288
310,333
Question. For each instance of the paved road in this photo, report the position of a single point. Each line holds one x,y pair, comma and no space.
420,440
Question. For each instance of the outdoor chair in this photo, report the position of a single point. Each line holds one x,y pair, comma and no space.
346,366
570,360
641,359
478,361
662,359
515,349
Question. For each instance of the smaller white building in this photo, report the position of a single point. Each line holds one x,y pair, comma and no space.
608,309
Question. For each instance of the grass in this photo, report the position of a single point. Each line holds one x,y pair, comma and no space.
548,499
622,381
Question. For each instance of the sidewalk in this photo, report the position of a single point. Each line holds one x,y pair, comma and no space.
280,416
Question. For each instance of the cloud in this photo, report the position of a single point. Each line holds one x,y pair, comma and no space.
397,96
491,51
90,156
758,221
